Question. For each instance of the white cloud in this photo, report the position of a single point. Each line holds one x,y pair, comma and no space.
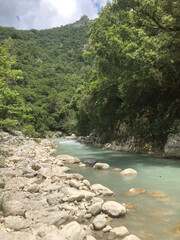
41,14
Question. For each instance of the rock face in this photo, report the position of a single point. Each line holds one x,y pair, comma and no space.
128,171
172,147
102,166
114,209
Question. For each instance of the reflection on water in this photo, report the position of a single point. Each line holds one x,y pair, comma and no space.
157,212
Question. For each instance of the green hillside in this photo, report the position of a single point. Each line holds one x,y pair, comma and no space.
53,68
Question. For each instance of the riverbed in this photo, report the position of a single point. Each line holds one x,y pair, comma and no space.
153,217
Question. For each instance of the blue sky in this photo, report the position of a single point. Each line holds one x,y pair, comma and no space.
42,14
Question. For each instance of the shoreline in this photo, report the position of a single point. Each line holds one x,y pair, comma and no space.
171,149
42,201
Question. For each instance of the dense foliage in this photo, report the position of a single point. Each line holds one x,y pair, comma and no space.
52,68
134,86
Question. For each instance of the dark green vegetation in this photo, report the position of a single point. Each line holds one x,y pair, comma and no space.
52,67
131,87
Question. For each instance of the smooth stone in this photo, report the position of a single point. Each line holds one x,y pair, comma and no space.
128,171
113,208
102,166
72,231
13,208
118,232
131,237
95,208
99,222
107,228
58,218
74,183
101,190
16,223
68,159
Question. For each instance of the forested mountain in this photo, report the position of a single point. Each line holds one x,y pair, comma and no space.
52,66
117,78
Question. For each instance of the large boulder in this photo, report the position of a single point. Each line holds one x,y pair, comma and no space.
114,209
99,189
99,222
101,166
72,231
128,171
172,147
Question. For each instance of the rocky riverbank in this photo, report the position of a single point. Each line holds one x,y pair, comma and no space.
170,150
40,200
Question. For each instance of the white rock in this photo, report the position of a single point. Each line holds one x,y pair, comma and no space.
131,237
113,208
103,166
16,223
58,218
101,190
13,208
118,232
86,183
74,183
99,222
72,231
89,237
107,228
68,159
128,171
95,208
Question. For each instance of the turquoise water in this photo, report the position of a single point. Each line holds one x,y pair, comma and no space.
153,217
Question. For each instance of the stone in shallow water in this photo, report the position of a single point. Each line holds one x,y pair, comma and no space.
176,230
128,171
135,191
102,166
159,195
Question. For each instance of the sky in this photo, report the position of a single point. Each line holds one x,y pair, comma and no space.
43,14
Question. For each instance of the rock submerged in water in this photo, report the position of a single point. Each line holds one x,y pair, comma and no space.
90,162
101,166
128,172
135,191
118,232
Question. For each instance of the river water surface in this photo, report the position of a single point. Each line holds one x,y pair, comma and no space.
153,218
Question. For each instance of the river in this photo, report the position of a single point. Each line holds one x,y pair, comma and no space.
153,218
